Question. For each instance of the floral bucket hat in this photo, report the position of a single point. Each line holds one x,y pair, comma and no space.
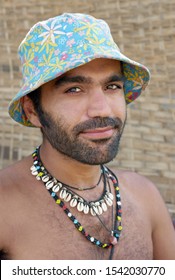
57,45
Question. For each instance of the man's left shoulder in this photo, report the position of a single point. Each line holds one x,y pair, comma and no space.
134,180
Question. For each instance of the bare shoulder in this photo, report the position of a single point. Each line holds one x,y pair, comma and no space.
147,195
11,181
137,184
141,191
11,178
13,171
144,190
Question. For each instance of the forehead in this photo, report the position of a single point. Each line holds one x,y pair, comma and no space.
99,64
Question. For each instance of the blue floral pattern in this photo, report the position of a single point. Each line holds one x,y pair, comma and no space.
57,45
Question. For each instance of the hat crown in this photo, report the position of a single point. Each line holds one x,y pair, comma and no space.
61,38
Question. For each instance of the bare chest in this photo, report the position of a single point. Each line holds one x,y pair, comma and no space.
52,235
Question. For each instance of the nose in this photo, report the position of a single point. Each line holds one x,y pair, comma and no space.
99,104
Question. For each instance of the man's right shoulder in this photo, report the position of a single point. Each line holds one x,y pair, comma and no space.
8,176
11,177
11,180
7,189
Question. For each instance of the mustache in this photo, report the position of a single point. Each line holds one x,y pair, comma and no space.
99,122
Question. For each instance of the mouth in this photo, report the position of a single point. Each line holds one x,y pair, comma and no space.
98,133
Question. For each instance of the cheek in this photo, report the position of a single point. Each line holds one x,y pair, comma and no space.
69,113
118,106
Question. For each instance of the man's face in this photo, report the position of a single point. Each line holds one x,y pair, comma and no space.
84,112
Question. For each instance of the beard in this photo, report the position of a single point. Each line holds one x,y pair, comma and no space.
69,142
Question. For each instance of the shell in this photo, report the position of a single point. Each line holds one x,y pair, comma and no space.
34,172
80,206
97,203
68,197
104,206
49,185
63,193
38,177
73,202
109,202
86,209
110,195
57,187
45,178
32,168
99,210
93,211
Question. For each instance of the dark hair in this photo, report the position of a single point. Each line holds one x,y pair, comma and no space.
35,97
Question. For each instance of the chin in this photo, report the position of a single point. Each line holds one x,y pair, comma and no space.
99,158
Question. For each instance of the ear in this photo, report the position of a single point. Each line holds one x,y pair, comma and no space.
30,112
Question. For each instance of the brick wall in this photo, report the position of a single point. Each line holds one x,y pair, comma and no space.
144,30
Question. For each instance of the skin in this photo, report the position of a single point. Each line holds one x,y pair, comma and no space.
34,227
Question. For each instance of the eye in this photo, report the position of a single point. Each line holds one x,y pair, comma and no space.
114,86
73,90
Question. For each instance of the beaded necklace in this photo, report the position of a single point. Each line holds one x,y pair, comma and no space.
115,232
66,193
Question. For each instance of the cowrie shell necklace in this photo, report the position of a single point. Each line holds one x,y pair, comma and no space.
117,228
67,194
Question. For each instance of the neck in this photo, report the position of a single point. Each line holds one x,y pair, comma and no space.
68,170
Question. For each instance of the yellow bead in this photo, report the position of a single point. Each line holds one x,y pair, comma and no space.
119,218
58,201
104,245
40,174
117,188
80,228
119,227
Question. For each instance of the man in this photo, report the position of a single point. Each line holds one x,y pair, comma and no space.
63,202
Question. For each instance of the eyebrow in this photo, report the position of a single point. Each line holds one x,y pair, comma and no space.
87,80
115,78
75,79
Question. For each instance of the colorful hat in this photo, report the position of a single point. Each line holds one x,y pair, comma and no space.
62,43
